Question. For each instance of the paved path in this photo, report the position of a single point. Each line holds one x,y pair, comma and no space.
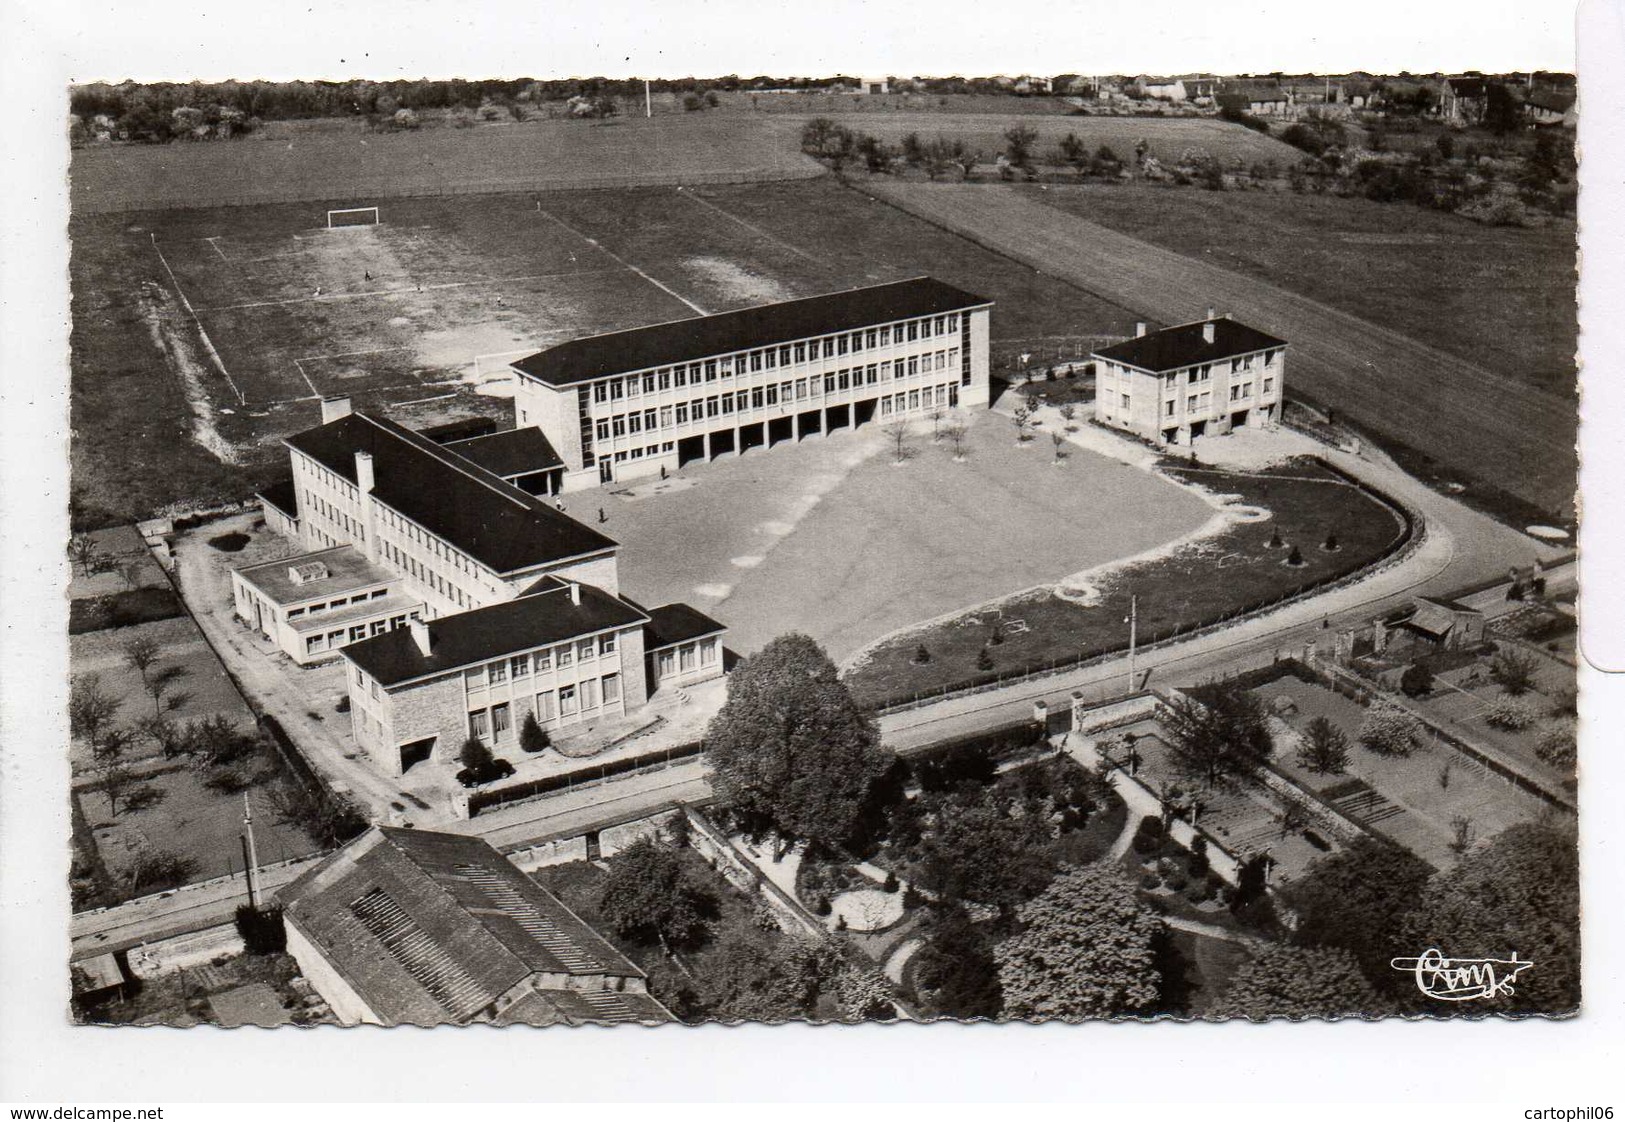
1483,423
897,961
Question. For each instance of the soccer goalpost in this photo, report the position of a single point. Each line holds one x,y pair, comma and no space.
354,216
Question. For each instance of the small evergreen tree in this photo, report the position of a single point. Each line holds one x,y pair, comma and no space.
984,660
476,757
532,737
1295,558
1416,681
1325,750
921,655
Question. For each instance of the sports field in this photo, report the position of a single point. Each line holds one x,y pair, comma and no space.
833,538
1479,421
201,337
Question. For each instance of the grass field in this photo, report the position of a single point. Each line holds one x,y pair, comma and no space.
832,538
1183,589
346,161
406,307
1477,421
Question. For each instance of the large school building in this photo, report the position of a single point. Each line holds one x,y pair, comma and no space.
627,404
459,603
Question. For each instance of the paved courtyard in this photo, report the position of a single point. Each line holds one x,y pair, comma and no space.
834,538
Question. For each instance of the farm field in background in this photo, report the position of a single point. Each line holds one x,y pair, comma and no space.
1501,297
405,307
1474,421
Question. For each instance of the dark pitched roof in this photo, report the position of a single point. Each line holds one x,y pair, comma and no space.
544,614
685,340
430,928
510,453
281,495
1174,347
1558,101
494,522
677,623
1257,91
1467,87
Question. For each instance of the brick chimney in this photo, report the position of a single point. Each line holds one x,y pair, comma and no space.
334,408
1139,329
420,636
364,478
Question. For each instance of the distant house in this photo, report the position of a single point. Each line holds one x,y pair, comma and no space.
1261,99
874,85
1463,99
1200,90
1032,84
1549,107
1163,88
422,928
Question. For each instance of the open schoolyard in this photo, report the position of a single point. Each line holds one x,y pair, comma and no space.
835,538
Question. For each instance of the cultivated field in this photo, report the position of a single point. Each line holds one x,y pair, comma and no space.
1475,420
405,309
350,162
833,538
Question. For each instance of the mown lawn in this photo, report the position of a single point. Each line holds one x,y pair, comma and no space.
1198,584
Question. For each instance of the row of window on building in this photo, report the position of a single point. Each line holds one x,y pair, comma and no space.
772,396
494,724
337,602
339,637
686,658
543,661
946,396
1240,393
772,358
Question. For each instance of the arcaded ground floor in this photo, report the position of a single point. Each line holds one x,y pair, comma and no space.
834,537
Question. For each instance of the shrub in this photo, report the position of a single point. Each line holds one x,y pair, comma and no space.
821,906
1330,545
1150,881
1389,730
1295,558
1513,671
1556,746
1416,681
890,884
1177,882
984,660
1509,713
262,929
533,738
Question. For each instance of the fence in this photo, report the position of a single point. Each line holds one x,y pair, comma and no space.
1414,532
383,188
482,800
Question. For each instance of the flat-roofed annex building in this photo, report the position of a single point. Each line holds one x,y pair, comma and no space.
423,928
1195,379
627,404
459,603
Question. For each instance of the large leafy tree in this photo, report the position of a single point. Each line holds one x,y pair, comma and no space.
790,748
954,972
979,846
1221,736
1087,949
650,897
1520,893
1357,899
1286,981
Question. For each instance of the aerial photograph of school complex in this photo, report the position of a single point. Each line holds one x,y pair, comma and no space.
824,548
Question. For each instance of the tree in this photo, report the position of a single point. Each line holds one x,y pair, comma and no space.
984,660
954,972
650,897
168,737
791,749
1222,737
157,685
967,159
1073,153
1502,113
1298,982
90,711
82,550
532,737
117,776
139,655
937,414
1416,681
1058,440
1018,145
1389,730
1513,671
898,432
1087,949
957,432
1325,750
1357,899
1023,419
1556,746
1520,893
476,757
978,847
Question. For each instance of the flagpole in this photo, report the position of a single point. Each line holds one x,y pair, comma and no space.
1133,627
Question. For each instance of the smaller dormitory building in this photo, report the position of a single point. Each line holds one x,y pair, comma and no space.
1197,379
458,602
629,404
415,927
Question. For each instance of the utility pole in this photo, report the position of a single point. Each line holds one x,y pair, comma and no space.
648,100
1133,627
250,853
